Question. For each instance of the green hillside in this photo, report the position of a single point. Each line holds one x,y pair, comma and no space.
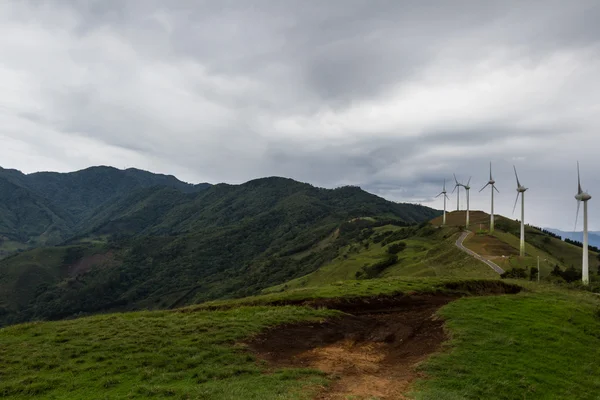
46,208
280,290
541,343
171,248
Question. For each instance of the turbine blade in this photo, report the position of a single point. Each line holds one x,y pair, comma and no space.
444,184
455,180
517,176
454,190
486,185
490,171
577,215
446,196
517,199
578,180
469,181
494,186
439,195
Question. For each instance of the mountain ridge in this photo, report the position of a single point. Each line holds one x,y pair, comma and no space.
156,246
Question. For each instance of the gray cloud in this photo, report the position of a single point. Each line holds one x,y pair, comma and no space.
391,95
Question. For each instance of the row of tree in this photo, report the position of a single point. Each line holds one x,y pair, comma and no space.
579,244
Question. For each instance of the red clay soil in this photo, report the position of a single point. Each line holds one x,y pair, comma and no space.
370,354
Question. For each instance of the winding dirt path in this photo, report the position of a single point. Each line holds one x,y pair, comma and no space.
460,245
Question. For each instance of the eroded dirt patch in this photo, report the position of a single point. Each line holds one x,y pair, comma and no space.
369,354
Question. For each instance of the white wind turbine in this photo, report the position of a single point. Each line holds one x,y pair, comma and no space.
521,191
467,188
443,192
457,186
583,196
491,183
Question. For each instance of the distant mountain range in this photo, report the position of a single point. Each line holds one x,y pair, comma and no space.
49,207
107,239
593,236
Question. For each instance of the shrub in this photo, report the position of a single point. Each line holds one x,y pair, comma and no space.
515,273
371,271
533,273
396,248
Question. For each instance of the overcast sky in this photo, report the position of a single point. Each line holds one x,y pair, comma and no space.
393,96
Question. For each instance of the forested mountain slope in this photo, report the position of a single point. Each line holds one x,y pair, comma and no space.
162,247
49,207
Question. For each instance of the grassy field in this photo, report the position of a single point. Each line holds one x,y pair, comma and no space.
535,345
345,290
543,343
150,355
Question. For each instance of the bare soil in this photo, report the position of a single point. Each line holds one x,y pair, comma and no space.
489,246
370,353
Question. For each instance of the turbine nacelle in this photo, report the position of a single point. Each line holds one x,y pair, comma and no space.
583,196
521,189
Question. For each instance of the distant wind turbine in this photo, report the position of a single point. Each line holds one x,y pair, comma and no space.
457,187
467,188
585,197
521,191
491,183
443,192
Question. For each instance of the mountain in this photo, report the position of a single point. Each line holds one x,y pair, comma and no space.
49,207
593,237
161,246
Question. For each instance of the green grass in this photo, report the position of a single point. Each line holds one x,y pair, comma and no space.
552,252
543,344
430,256
179,355
360,288
426,257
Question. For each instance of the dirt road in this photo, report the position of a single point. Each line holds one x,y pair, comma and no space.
459,244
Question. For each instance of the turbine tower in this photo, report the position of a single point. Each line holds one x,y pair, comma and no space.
521,191
583,196
457,186
443,192
491,183
467,188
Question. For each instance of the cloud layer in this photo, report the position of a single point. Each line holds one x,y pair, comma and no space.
393,96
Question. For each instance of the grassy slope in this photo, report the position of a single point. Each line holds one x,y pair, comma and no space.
543,343
551,252
430,256
150,354
535,345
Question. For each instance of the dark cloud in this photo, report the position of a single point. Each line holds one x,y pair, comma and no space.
391,95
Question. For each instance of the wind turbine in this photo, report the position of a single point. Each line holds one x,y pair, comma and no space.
467,188
491,183
521,191
457,186
443,192
583,196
